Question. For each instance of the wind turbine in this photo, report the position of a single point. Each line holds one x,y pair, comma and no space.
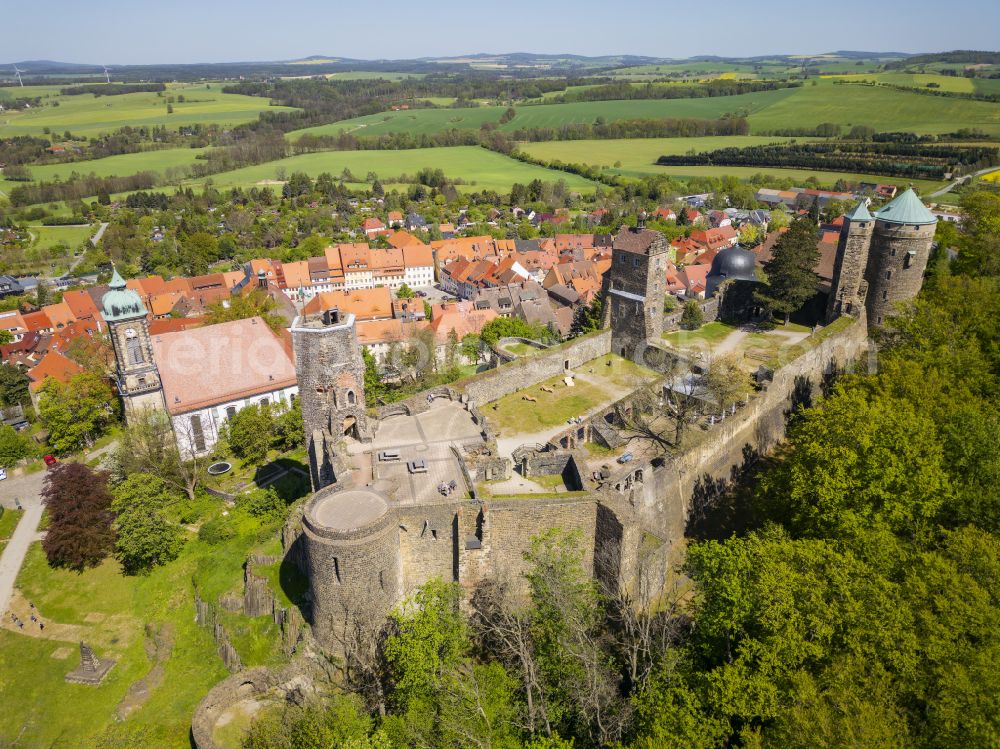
18,74
106,73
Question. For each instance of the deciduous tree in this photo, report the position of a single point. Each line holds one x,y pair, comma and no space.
79,506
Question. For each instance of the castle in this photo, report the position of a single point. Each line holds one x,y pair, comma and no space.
881,258
377,527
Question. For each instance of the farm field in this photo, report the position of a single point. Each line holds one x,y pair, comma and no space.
810,105
480,168
638,156
881,108
119,166
953,83
547,115
87,115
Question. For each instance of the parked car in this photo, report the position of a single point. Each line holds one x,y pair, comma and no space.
50,460
625,458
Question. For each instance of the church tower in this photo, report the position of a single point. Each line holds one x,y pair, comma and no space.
847,294
138,379
634,289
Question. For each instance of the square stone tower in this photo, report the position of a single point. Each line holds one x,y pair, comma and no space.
331,378
634,289
849,288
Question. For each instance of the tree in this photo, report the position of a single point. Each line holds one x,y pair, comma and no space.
472,348
692,317
727,381
791,278
589,317
79,506
13,446
249,433
404,292
856,461
144,537
148,445
13,385
374,387
339,723
289,429
579,675
77,412
6,337
257,303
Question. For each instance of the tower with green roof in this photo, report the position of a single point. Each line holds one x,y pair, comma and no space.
900,248
137,376
847,294
881,258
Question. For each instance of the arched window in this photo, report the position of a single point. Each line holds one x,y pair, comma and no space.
350,398
133,351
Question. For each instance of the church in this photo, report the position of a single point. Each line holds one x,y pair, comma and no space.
199,377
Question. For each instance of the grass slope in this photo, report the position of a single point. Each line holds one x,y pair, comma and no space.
480,168
119,166
89,115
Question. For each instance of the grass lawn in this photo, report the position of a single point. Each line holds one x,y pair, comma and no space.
710,334
47,237
89,115
8,522
481,169
115,614
119,166
521,349
600,381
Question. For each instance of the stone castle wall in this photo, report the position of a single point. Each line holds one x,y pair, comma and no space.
847,292
527,371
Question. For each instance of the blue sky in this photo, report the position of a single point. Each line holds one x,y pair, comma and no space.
159,31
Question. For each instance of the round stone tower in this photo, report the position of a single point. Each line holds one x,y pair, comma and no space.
351,547
900,247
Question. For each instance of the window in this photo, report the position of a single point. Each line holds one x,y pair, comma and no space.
265,401
888,275
336,570
635,262
910,257
885,295
133,351
381,579
350,398
197,433
230,412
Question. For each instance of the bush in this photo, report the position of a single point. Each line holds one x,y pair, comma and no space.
262,503
216,531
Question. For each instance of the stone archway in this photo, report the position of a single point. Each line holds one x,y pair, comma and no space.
350,427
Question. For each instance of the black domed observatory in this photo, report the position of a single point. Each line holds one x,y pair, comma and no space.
731,264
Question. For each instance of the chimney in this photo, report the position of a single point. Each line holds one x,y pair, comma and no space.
331,316
262,279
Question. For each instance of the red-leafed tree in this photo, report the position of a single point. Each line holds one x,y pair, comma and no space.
79,506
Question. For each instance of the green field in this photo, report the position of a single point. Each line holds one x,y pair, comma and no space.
882,108
47,237
88,115
480,168
637,158
951,83
547,115
119,166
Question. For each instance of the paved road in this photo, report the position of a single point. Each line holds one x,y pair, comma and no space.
26,488
97,237
957,182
